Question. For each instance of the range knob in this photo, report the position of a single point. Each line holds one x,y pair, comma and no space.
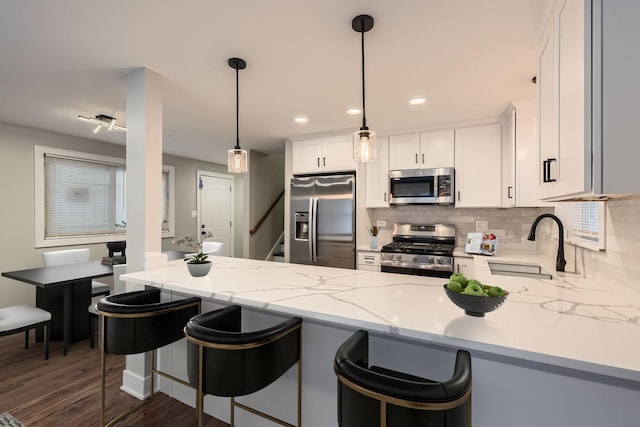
414,258
398,257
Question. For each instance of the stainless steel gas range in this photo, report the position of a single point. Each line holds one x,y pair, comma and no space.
420,249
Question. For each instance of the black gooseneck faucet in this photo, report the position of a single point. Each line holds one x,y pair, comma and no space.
560,261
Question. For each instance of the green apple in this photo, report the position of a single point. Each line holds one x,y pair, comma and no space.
454,286
460,278
496,291
474,282
474,289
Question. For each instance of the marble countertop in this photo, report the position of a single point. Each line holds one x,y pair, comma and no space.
567,321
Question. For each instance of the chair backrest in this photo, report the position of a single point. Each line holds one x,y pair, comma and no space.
237,362
366,392
68,256
140,321
119,285
212,248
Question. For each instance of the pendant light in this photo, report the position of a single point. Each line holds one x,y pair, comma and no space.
237,157
365,145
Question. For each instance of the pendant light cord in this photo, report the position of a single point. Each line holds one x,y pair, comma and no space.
237,147
364,110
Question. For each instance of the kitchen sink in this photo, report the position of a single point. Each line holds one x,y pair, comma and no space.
532,271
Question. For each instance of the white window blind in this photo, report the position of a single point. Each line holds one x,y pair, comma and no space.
80,197
588,225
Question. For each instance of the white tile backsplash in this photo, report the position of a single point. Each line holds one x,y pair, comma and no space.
510,225
617,268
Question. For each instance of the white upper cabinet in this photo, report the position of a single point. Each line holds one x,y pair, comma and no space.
478,166
520,174
421,150
332,154
404,152
377,177
587,72
437,149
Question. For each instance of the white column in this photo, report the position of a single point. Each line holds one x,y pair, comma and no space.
144,198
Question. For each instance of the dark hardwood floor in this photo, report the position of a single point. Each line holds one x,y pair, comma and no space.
65,390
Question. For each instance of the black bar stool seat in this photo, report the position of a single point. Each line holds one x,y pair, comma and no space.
225,361
138,322
371,396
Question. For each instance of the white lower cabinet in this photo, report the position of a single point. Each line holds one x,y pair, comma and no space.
464,265
369,260
478,166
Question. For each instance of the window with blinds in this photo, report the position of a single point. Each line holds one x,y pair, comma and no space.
588,225
81,198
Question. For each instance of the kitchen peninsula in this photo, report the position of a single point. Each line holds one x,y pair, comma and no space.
556,353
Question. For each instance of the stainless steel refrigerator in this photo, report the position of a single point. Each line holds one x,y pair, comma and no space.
323,221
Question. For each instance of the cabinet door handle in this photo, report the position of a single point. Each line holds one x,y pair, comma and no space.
423,159
318,161
457,268
544,171
549,179
416,158
509,196
458,195
324,161
385,197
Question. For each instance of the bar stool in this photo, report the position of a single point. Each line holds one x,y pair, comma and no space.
222,360
137,322
374,396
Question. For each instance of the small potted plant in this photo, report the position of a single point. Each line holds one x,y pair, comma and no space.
198,263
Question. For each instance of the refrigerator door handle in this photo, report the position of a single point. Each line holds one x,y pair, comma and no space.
311,232
314,231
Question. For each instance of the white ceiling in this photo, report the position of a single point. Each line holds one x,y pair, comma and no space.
469,58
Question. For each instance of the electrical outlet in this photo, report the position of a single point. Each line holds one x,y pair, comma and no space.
482,226
194,214
381,223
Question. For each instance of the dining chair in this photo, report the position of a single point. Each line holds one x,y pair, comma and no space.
119,286
212,248
19,318
74,256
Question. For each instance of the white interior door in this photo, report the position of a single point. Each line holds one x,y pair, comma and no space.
215,208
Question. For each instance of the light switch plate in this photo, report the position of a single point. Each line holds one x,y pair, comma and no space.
194,214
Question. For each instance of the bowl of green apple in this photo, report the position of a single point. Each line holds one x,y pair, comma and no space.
473,297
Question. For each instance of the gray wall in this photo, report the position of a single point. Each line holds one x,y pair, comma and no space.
17,249
266,175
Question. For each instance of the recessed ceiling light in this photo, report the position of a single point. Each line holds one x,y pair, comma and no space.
354,111
301,120
417,101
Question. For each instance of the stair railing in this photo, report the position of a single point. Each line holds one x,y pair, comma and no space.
255,229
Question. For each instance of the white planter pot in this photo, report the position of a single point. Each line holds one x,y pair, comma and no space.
199,270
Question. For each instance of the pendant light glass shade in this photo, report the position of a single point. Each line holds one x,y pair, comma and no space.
237,161
365,144
237,157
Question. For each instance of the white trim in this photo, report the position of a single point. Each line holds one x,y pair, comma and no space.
39,196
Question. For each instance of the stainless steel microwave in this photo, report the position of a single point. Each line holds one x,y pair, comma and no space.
422,186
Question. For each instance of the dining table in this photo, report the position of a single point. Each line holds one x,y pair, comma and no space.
64,291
